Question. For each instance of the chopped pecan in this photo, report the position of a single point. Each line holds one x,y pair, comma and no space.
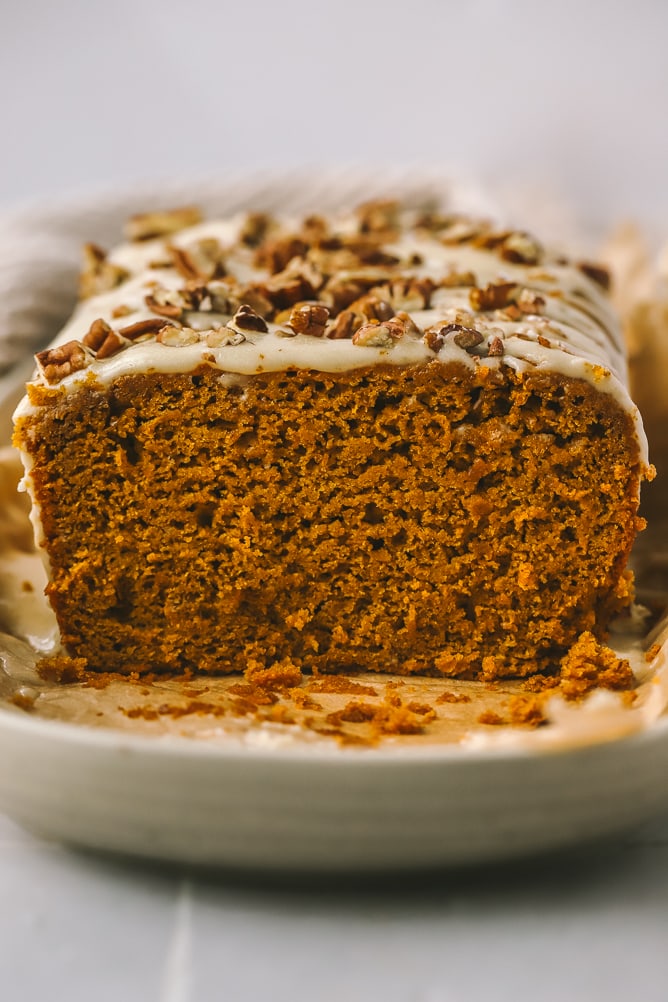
111,345
254,295
339,293
495,346
458,279
275,255
166,303
142,328
372,307
529,301
464,337
379,335
314,229
407,293
99,274
344,326
410,327
220,338
521,248
57,363
122,311
147,225
248,320
597,272
177,337
494,296
309,319
96,334
255,228
462,230
378,216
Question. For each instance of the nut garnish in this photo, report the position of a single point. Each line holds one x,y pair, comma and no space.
378,216
597,272
147,225
96,335
142,328
521,248
224,337
344,326
177,337
464,337
255,228
458,279
529,301
379,335
98,274
166,303
309,319
407,293
495,346
248,320
372,307
111,345
57,363
275,255
494,296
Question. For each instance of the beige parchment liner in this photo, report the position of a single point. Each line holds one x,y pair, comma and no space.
367,710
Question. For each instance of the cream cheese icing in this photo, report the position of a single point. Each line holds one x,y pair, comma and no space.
575,333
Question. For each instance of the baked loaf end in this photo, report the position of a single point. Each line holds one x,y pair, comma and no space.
399,441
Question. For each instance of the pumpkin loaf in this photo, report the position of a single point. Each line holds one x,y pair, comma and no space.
398,441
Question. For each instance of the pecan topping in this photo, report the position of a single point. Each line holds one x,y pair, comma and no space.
458,279
147,225
521,248
597,272
96,335
98,274
141,328
494,296
166,303
372,307
529,301
111,345
177,337
378,216
255,228
377,335
410,327
276,255
495,346
408,293
63,360
309,319
255,296
220,338
344,326
464,337
121,311
248,320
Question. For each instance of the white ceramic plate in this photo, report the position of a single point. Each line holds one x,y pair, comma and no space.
311,805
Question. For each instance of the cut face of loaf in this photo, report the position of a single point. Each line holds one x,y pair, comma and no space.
450,489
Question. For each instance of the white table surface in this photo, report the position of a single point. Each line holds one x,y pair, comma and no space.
571,95
582,927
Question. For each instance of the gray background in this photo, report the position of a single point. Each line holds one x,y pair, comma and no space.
567,97
570,95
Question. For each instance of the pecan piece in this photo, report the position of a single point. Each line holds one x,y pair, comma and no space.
344,326
373,308
142,328
529,301
495,346
379,335
98,274
57,363
521,248
255,228
597,272
147,225
494,296
221,338
275,255
166,303
248,320
458,279
408,293
309,319
378,216
111,345
177,337
464,337
96,334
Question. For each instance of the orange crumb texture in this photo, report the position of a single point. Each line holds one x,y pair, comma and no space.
410,521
